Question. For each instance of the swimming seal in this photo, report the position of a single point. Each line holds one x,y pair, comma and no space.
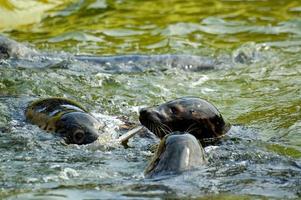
177,152
65,117
190,114
19,55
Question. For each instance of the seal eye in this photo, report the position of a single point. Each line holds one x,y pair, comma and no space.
78,136
173,110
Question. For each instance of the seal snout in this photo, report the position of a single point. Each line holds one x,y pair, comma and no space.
143,111
147,115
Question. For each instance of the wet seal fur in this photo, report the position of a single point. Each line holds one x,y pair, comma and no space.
64,117
187,114
177,152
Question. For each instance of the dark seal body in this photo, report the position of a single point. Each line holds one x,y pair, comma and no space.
188,114
177,152
65,117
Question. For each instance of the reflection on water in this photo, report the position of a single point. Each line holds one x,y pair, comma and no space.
110,27
257,88
18,13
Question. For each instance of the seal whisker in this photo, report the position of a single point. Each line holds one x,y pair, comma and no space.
158,128
154,128
163,128
167,128
150,127
191,128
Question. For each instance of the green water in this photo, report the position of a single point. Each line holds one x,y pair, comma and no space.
259,90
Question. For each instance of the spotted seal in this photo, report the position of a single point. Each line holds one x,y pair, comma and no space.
17,54
65,117
190,114
177,152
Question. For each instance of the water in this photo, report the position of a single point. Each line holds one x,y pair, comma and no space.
257,87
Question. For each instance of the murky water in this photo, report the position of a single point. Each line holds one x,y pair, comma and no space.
256,44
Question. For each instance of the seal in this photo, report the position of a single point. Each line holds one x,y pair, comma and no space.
65,117
19,55
189,114
176,153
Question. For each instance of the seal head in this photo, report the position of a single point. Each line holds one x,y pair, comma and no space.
177,152
77,128
64,117
189,114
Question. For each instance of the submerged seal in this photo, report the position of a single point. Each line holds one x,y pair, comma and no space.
19,55
177,152
190,114
65,117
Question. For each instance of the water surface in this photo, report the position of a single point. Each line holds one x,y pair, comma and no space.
258,90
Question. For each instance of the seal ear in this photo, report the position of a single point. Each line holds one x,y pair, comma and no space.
78,137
